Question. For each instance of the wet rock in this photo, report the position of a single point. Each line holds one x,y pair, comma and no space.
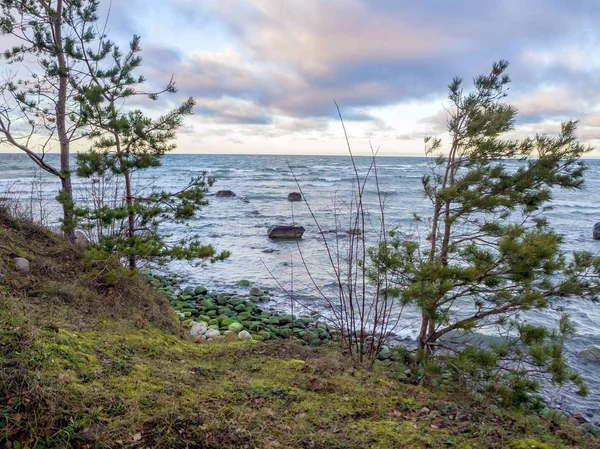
243,283
255,291
591,353
295,196
285,232
22,264
235,327
225,194
591,429
354,231
596,231
200,290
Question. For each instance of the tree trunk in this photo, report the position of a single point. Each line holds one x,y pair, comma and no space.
61,125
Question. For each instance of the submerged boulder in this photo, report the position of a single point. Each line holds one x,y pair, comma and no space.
591,353
596,231
224,194
285,232
295,196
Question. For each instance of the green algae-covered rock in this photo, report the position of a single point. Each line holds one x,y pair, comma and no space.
244,316
246,324
213,322
255,291
203,318
265,335
263,298
235,327
200,290
240,308
253,298
243,283
212,313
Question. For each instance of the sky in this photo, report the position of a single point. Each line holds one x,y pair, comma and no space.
266,73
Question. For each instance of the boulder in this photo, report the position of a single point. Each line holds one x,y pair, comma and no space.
200,290
591,353
354,231
295,196
225,194
235,327
197,329
212,333
81,241
285,232
244,335
243,283
596,231
255,291
21,264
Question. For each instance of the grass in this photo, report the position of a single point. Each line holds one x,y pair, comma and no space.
85,363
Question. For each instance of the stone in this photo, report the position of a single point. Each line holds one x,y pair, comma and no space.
590,428
596,231
285,232
212,333
197,329
93,431
225,194
255,291
81,241
235,327
200,290
244,335
354,231
243,283
22,264
591,353
295,196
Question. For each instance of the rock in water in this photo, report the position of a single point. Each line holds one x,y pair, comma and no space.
244,335
224,194
81,240
596,231
255,291
354,231
591,353
285,232
22,264
295,196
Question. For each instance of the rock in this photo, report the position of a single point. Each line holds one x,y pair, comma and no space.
81,240
596,231
225,194
212,333
590,428
591,353
197,329
285,232
21,264
243,283
354,231
200,290
93,431
255,291
181,315
235,327
244,335
295,196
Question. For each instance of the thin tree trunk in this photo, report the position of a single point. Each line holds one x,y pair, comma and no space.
61,125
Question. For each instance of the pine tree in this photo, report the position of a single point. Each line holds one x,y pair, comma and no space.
38,111
488,254
126,142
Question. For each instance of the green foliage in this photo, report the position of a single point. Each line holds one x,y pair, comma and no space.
488,254
125,143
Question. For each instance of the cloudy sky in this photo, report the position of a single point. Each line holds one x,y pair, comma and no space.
265,73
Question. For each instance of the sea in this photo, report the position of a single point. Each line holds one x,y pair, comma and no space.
329,184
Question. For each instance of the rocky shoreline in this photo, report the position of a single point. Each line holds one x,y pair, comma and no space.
216,315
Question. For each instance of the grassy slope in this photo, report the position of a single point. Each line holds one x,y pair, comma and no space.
79,357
